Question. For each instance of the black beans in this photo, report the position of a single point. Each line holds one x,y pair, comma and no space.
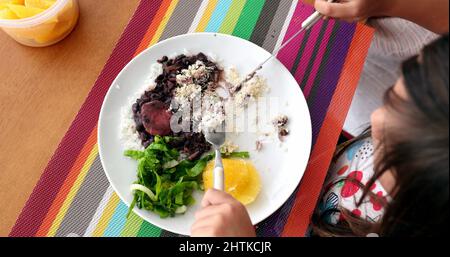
194,156
284,132
147,143
140,127
202,57
163,59
281,123
192,144
144,136
160,78
135,108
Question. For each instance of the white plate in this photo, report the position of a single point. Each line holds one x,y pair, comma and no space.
281,167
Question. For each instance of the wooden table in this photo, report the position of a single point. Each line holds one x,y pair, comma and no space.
41,91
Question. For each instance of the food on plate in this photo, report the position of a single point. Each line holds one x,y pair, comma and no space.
191,84
156,118
259,145
166,179
244,90
173,156
280,124
181,79
242,180
228,147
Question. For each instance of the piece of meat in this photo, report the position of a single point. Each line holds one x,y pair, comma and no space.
156,118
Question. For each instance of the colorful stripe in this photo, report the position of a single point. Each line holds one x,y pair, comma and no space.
218,16
199,16
285,55
85,203
164,22
328,77
204,21
117,222
132,226
70,180
279,24
309,51
106,216
184,14
302,48
298,221
99,212
74,190
287,23
156,21
232,17
313,69
262,26
149,230
249,17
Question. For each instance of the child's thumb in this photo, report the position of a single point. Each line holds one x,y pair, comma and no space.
335,10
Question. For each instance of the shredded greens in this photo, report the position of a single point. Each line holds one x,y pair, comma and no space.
165,181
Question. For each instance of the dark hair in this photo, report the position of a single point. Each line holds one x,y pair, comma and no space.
417,153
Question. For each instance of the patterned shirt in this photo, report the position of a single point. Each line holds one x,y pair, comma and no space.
356,163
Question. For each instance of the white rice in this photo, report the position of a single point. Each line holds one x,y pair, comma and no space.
128,134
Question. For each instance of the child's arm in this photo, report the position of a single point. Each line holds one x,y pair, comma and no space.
431,14
222,216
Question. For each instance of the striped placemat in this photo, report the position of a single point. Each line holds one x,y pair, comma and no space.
73,196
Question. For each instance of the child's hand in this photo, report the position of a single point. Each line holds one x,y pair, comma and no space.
417,11
223,216
352,10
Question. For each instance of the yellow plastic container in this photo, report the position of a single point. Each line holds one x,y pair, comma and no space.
45,28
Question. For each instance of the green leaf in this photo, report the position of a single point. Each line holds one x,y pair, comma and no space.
186,164
197,169
158,184
157,147
188,201
199,166
136,155
141,170
133,203
157,139
243,155
162,212
179,198
173,180
171,171
170,164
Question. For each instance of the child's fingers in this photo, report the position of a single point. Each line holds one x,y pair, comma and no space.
208,211
200,232
215,197
214,221
344,10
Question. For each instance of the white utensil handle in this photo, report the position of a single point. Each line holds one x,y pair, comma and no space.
219,179
313,19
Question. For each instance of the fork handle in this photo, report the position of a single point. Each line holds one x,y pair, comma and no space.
314,18
219,179
218,175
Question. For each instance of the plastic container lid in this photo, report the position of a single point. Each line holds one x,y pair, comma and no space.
37,19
